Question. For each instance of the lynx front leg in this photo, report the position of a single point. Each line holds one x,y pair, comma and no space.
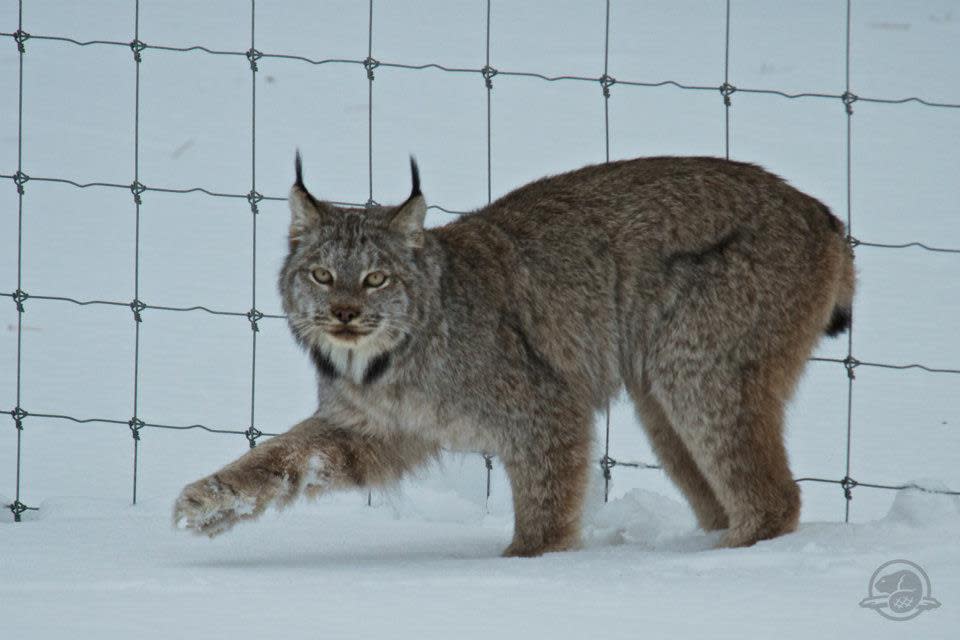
549,479
312,458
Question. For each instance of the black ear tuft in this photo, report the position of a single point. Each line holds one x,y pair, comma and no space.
298,167
415,175
306,211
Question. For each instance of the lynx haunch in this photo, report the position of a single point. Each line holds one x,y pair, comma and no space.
700,285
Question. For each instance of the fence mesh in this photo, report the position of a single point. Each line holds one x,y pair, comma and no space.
370,66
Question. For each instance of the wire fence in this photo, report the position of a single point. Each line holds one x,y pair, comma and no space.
370,66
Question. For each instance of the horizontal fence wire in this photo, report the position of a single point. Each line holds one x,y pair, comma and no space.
481,70
143,306
253,57
22,178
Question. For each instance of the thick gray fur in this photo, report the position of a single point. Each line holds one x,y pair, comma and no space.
700,285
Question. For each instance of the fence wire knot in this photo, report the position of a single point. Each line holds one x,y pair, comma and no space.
851,363
253,198
17,508
607,463
488,461
253,55
252,434
848,100
136,188
21,36
19,297
370,204
18,415
727,90
137,306
137,46
848,484
20,179
607,81
853,242
135,425
254,316
488,72
370,64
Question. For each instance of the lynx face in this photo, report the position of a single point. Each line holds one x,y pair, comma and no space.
347,282
351,277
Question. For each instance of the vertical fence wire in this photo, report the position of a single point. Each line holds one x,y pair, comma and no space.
488,81
850,363
18,507
370,64
487,73
726,89
605,83
253,198
135,422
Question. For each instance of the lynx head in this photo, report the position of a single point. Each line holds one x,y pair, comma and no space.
350,281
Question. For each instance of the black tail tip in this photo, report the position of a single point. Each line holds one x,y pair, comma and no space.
839,322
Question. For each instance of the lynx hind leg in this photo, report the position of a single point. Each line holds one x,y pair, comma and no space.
736,439
677,461
724,364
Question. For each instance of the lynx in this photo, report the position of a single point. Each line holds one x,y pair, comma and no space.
700,285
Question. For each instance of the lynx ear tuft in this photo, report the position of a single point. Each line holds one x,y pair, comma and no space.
415,177
408,219
298,168
306,211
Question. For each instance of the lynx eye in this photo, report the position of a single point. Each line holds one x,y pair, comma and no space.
375,279
321,276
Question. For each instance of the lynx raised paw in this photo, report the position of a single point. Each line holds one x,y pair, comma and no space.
209,507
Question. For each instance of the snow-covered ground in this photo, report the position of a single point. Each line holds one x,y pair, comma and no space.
95,568
423,560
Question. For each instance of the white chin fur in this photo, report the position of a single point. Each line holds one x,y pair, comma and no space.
351,358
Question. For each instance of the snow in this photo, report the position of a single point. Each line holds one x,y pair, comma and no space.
336,569
423,559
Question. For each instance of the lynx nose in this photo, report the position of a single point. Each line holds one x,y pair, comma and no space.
344,313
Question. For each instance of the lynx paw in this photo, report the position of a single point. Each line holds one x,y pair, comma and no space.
209,507
526,549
